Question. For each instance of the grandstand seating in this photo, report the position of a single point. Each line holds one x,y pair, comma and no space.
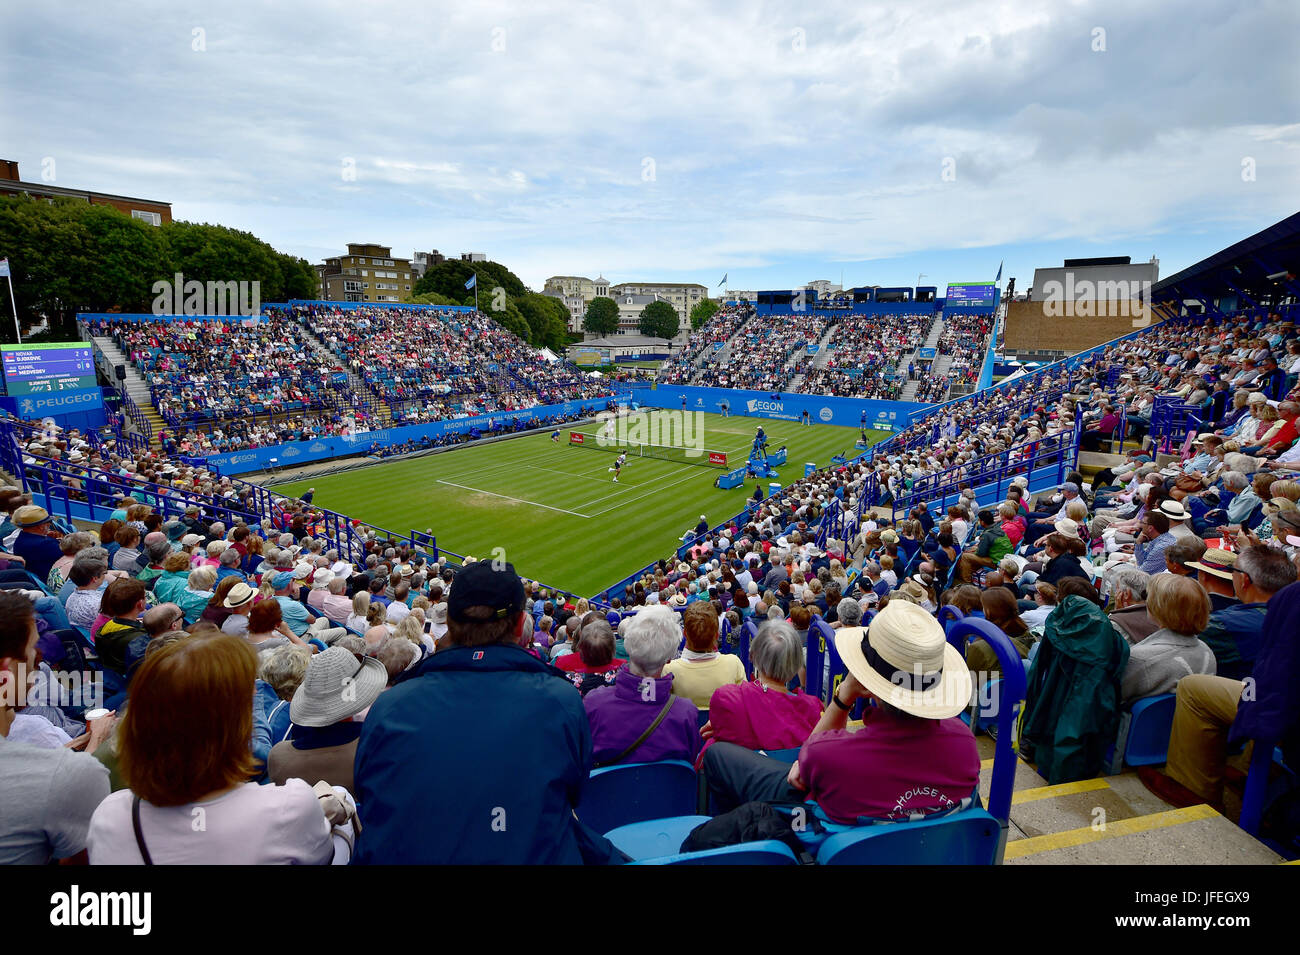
1030,427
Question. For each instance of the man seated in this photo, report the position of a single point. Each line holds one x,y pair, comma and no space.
912,753
1240,586
992,547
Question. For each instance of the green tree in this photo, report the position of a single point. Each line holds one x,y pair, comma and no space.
702,311
548,319
448,279
659,320
601,317
432,298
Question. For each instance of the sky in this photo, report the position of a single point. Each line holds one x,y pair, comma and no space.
773,143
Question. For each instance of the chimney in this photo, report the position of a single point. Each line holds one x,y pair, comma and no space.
9,169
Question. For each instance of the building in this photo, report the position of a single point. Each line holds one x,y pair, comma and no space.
576,292
420,262
473,257
682,297
1108,279
824,288
368,273
151,211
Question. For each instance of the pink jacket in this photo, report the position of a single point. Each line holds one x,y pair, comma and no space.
754,717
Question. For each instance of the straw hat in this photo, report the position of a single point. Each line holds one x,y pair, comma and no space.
1067,527
30,515
337,685
1215,561
889,536
913,589
239,595
904,660
1173,510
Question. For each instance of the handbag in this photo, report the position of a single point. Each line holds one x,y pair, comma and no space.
640,739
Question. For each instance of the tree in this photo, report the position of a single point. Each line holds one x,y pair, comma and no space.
432,298
448,279
601,317
660,320
548,319
702,311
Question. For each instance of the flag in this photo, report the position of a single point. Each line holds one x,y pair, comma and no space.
4,268
723,282
999,278
473,281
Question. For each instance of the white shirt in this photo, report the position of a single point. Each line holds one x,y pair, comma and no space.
250,825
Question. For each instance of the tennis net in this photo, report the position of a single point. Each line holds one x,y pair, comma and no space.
641,449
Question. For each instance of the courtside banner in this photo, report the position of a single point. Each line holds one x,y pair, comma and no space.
718,458
822,409
575,438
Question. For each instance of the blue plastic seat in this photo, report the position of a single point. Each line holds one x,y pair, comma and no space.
1143,737
654,837
618,795
761,852
969,837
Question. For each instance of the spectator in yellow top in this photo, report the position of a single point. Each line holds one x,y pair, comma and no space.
701,669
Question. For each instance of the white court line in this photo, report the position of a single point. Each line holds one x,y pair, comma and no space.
662,487
517,500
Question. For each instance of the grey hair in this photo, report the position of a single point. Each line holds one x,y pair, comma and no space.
284,668
201,579
775,613
92,558
652,639
777,652
1234,480
1131,579
849,612
337,585
229,557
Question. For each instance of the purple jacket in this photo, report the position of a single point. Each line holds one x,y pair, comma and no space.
620,713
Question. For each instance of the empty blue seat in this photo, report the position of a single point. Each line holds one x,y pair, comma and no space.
1143,738
654,837
618,795
761,852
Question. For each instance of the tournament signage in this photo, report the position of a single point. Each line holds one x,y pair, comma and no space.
48,369
971,295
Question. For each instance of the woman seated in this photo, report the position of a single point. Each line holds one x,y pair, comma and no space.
1181,607
594,664
267,630
184,745
326,714
701,669
637,719
763,713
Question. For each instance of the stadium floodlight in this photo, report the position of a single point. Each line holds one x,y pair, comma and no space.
1279,276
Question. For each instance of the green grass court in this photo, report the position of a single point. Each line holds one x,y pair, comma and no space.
554,508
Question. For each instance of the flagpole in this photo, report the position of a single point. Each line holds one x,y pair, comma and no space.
475,290
13,302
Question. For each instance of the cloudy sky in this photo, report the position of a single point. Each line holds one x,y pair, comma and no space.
774,142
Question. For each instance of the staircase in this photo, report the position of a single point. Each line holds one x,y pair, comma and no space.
941,363
136,388
374,405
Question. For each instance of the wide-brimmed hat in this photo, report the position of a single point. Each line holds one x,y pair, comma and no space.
889,536
239,595
31,515
913,589
337,685
1067,527
904,660
677,600
1215,561
1173,510
322,579
1275,504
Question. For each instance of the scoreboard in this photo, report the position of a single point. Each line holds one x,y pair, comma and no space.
48,369
978,294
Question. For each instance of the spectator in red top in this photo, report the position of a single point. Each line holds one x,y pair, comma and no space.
594,663
763,713
1284,437
911,756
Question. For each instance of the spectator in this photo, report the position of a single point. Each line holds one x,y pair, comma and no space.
327,712
1235,629
594,664
48,795
638,719
121,639
37,542
1181,607
184,744
764,713
1128,596
701,669
508,780
911,755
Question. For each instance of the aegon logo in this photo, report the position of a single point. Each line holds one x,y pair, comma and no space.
241,458
755,404
318,447
290,453
826,414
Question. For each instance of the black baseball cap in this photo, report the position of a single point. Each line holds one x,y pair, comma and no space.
482,585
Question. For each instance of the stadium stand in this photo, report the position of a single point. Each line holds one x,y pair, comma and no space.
704,341
971,537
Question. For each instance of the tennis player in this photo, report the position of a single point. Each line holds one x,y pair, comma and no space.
618,465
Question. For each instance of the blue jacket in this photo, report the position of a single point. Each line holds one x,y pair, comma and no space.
479,758
1273,714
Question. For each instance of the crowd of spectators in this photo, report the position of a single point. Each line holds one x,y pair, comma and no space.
866,356
762,350
704,341
230,647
